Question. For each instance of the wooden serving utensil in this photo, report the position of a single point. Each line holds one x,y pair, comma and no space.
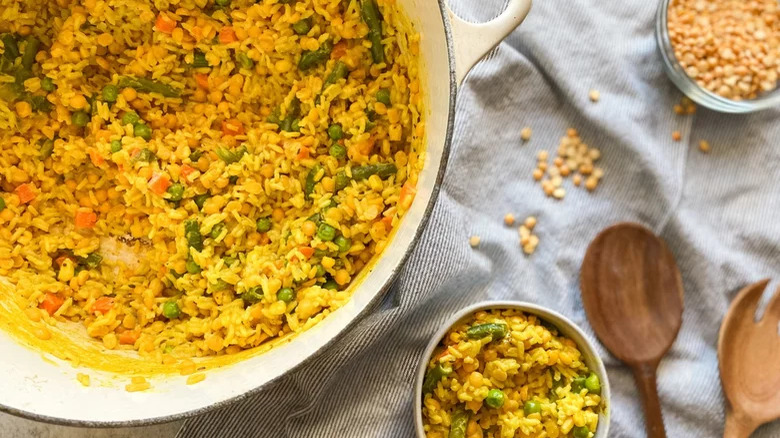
749,356
633,295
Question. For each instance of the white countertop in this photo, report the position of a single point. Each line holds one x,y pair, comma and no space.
15,427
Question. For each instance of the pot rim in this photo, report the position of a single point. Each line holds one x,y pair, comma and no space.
359,316
586,347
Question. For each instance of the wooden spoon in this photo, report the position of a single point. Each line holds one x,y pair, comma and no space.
633,296
749,356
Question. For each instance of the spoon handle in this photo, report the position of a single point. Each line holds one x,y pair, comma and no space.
644,374
738,425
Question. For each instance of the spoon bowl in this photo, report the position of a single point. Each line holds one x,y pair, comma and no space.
633,295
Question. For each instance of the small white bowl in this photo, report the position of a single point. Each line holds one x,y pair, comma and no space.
565,327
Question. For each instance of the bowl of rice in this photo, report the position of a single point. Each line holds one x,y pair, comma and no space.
498,369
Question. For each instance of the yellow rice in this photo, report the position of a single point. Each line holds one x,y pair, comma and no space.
139,233
532,367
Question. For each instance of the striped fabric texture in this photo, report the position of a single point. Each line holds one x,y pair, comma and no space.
715,210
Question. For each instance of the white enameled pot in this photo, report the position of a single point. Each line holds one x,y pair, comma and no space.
46,389
564,325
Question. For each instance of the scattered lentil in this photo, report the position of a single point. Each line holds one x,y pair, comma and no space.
509,219
704,146
474,241
525,134
594,95
676,136
528,240
573,159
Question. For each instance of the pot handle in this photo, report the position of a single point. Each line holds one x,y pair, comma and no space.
473,41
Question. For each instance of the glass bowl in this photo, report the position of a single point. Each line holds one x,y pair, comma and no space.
693,90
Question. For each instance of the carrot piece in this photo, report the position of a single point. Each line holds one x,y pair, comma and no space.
159,183
25,193
85,218
185,171
307,251
51,303
303,153
61,259
203,80
408,191
339,50
388,222
128,337
232,127
102,305
96,158
227,35
165,24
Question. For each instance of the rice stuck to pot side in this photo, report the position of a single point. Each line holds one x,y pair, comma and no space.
503,373
199,177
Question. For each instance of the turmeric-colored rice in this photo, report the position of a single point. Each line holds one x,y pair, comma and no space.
190,178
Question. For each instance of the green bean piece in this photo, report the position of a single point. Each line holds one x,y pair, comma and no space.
330,285
592,384
92,260
217,230
148,86
312,58
130,118
370,14
200,200
342,180
192,234
578,384
383,170
47,147
295,126
320,271
343,243
171,310
302,27
142,130
116,146
311,180
495,398
30,50
286,294
335,132
253,295
480,331
192,267
230,157
233,179
230,260
383,96
433,376
458,423
386,170
264,225
110,93
338,151
145,155
245,61
532,407
275,116
175,192
222,3
2,204
47,84
199,59
218,286
195,156
340,71
39,103
80,119
326,232
10,46
581,432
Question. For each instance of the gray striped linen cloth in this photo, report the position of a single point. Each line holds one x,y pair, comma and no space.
714,210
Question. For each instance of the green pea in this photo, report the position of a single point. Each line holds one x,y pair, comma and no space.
286,294
116,146
263,225
245,61
321,271
80,119
230,260
330,285
342,180
171,310
47,148
130,118
383,96
145,155
593,384
175,192
343,243
142,130
578,384
335,132
338,151
47,84
495,398
253,295
200,200
222,3
2,204
110,93
326,232
302,27
217,230
532,407
581,432
193,267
